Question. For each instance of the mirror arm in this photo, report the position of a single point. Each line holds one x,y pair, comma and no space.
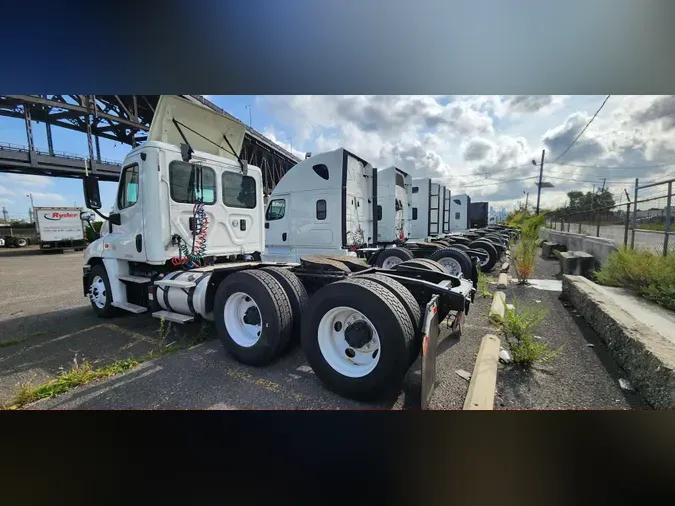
106,218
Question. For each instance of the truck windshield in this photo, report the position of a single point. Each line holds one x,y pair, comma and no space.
184,188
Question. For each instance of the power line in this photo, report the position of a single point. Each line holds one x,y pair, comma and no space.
584,129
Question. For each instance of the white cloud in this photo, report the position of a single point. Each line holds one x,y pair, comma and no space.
5,191
47,199
27,180
4,200
483,145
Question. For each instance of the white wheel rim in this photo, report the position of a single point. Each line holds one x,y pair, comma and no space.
97,292
480,262
243,320
343,358
451,266
390,262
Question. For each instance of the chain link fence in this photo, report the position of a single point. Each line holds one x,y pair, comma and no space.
645,222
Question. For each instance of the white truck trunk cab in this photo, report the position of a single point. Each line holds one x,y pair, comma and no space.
323,205
394,189
430,216
459,213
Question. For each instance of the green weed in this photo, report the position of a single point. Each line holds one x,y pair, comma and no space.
12,342
519,325
483,280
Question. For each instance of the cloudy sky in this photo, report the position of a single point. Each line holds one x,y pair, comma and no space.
480,145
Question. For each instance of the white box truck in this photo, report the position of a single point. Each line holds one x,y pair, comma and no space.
60,228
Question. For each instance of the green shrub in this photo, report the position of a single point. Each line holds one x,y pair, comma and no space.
519,325
524,257
650,275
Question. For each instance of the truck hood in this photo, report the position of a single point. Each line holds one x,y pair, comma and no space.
200,118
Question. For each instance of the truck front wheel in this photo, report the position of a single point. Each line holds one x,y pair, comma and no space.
100,294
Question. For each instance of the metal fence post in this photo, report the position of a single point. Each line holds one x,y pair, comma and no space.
635,203
668,206
625,232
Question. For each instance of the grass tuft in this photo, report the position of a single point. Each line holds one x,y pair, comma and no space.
524,257
12,342
80,373
483,280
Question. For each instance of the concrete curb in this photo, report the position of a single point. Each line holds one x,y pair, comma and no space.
483,384
646,356
498,307
502,281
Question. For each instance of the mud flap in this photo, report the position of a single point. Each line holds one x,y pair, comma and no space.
430,332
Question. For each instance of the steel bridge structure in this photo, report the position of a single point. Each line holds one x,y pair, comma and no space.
122,118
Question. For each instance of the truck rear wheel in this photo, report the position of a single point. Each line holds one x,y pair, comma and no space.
357,335
20,242
100,294
409,303
390,257
424,263
453,261
296,292
486,247
253,316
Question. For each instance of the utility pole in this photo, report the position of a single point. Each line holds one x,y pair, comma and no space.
541,172
32,206
250,123
5,215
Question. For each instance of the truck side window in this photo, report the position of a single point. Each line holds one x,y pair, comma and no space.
456,216
320,209
415,189
414,212
128,192
238,190
379,213
183,185
276,210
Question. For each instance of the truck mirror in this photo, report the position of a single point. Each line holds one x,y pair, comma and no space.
92,194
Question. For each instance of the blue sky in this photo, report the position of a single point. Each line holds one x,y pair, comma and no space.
480,145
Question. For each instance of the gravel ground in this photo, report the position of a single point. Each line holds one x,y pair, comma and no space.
582,376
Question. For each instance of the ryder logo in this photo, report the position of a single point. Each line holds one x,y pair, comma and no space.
55,216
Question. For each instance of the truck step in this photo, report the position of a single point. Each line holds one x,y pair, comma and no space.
173,317
128,306
175,284
134,279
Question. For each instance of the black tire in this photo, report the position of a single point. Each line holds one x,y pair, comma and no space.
107,311
409,303
490,249
456,254
463,247
296,292
20,242
401,253
275,312
391,321
424,263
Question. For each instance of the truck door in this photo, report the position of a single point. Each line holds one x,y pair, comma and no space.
277,221
126,239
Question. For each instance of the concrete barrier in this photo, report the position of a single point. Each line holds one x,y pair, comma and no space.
644,351
498,307
599,247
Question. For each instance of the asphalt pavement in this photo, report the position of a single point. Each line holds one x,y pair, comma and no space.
44,309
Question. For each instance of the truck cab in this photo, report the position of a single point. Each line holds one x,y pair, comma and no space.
394,195
175,184
322,205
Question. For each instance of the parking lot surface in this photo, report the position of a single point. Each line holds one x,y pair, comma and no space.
42,307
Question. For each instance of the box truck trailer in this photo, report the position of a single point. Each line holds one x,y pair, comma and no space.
60,228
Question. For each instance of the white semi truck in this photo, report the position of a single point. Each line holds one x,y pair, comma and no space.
186,240
59,228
